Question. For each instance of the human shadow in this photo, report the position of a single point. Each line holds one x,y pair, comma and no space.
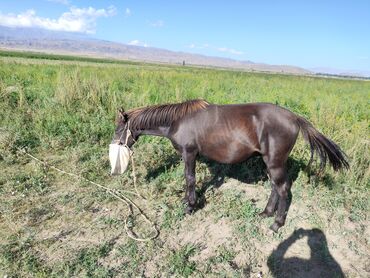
320,264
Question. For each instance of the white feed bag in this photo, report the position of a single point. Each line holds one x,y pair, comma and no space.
119,156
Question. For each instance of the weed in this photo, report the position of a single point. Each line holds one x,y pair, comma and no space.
20,257
179,263
172,215
87,261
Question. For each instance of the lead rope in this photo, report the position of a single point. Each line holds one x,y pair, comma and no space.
129,133
122,198
134,175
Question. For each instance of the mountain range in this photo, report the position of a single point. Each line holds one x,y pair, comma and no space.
55,42
40,40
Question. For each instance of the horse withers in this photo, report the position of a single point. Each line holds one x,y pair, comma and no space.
231,134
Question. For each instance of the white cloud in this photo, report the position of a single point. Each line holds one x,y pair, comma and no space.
219,49
127,12
197,46
158,23
230,50
134,42
138,43
81,20
63,2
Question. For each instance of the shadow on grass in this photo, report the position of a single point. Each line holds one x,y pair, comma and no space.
320,264
170,161
251,171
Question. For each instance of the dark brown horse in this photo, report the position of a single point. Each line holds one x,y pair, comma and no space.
231,134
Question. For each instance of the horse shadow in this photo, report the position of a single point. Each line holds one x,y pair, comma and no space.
172,159
320,264
251,171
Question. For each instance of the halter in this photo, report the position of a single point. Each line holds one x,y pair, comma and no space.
128,133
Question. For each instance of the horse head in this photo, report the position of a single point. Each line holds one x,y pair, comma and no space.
123,135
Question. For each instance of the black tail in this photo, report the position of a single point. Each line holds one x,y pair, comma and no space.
324,147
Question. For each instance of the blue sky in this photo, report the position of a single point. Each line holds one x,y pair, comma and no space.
309,34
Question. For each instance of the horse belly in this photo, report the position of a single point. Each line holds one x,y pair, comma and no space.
226,152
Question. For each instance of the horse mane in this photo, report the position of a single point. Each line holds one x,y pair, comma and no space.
163,115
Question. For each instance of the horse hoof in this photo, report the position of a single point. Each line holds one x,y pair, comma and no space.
275,227
265,214
189,210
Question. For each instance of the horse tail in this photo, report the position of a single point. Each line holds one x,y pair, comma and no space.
323,146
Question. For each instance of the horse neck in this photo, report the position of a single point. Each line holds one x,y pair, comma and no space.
161,131
157,120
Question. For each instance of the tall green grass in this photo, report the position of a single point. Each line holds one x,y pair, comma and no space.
59,106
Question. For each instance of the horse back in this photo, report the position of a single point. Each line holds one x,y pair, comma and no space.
232,133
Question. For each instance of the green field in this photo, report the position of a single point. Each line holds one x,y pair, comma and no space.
63,112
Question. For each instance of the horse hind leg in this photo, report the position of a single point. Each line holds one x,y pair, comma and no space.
280,191
280,180
271,203
275,155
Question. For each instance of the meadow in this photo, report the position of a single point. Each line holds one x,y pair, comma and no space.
63,112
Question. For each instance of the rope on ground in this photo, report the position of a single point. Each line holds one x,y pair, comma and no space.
122,198
134,176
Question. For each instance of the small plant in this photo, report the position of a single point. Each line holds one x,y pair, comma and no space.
179,263
172,215
87,261
21,258
35,183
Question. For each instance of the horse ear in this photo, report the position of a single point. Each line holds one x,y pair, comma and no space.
125,117
122,114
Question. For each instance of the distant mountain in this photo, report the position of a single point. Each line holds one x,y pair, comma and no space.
16,33
340,72
32,39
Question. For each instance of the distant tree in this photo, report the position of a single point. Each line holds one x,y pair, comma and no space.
183,63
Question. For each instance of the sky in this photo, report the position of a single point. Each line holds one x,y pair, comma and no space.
309,34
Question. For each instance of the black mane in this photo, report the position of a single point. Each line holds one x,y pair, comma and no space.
163,115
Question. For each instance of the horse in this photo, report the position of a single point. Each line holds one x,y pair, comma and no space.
231,134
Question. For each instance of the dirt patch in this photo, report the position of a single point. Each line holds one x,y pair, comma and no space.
308,251
309,245
62,237
209,236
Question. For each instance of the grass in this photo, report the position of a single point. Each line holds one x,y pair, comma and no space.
54,225
179,264
58,57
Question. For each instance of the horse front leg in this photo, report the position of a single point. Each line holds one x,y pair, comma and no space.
190,195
